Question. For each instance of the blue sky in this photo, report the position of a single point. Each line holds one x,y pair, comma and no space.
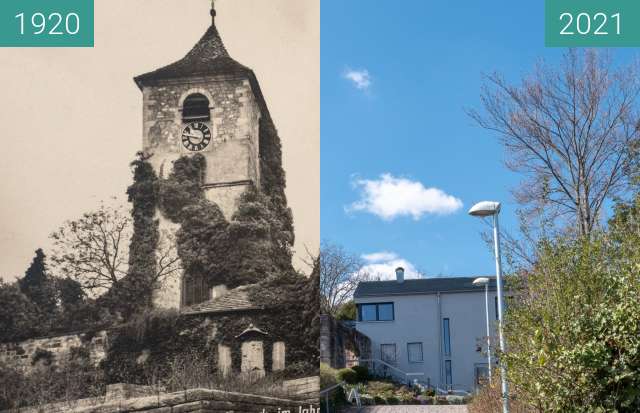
396,78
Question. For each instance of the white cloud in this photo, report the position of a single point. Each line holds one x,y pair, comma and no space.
380,256
390,197
382,265
360,78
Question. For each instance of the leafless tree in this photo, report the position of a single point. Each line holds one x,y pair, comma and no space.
340,273
573,132
94,250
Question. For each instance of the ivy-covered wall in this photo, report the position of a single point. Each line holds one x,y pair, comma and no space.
253,247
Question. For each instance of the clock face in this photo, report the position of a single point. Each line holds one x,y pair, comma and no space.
196,136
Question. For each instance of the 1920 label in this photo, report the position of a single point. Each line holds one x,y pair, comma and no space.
46,23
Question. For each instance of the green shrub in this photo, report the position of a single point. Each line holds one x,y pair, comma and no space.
327,376
49,384
375,387
379,400
456,400
362,372
347,375
405,395
393,400
429,392
366,400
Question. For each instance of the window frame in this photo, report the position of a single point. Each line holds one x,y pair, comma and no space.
446,336
448,373
377,317
421,353
395,353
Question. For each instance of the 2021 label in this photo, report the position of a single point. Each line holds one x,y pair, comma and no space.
599,24
592,23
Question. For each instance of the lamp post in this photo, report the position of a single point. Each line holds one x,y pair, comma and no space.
485,281
482,210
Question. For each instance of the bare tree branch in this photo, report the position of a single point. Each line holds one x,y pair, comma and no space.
340,273
94,250
572,131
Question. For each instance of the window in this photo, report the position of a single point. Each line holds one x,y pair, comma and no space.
368,312
196,107
447,373
414,352
446,337
385,312
375,312
195,290
482,374
388,353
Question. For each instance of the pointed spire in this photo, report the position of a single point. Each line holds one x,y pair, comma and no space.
213,12
207,57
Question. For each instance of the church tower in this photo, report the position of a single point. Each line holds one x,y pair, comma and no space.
210,104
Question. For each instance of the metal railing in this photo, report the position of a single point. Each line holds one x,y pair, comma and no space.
399,375
326,392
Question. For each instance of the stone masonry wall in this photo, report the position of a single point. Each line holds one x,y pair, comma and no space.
189,401
232,155
21,355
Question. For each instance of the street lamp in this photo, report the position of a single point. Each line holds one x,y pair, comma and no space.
485,281
482,210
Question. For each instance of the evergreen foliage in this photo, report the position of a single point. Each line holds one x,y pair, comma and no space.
71,293
347,311
19,316
137,287
38,286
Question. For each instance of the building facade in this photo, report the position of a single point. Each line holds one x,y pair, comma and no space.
209,104
434,329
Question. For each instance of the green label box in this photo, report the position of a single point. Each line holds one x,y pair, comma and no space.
46,23
592,23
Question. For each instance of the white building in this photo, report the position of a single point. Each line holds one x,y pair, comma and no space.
434,329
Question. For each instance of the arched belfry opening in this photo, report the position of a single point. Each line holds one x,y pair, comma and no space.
196,108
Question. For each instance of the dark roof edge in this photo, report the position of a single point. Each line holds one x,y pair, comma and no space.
239,310
468,290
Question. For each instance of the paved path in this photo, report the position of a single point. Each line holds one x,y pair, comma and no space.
410,409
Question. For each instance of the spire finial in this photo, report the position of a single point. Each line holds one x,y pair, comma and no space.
213,11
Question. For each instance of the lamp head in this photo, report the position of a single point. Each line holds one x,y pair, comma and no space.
481,281
485,209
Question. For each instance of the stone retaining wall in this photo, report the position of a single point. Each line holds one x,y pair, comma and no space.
305,386
21,355
189,401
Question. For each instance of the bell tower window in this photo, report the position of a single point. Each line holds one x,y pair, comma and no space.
196,108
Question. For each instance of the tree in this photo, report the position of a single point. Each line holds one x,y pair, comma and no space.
573,334
573,131
93,250
19,316
340,273
70,292
347,311
38,286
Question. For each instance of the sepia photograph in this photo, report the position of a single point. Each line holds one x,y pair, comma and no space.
160,214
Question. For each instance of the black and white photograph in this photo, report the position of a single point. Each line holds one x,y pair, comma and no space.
160,214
